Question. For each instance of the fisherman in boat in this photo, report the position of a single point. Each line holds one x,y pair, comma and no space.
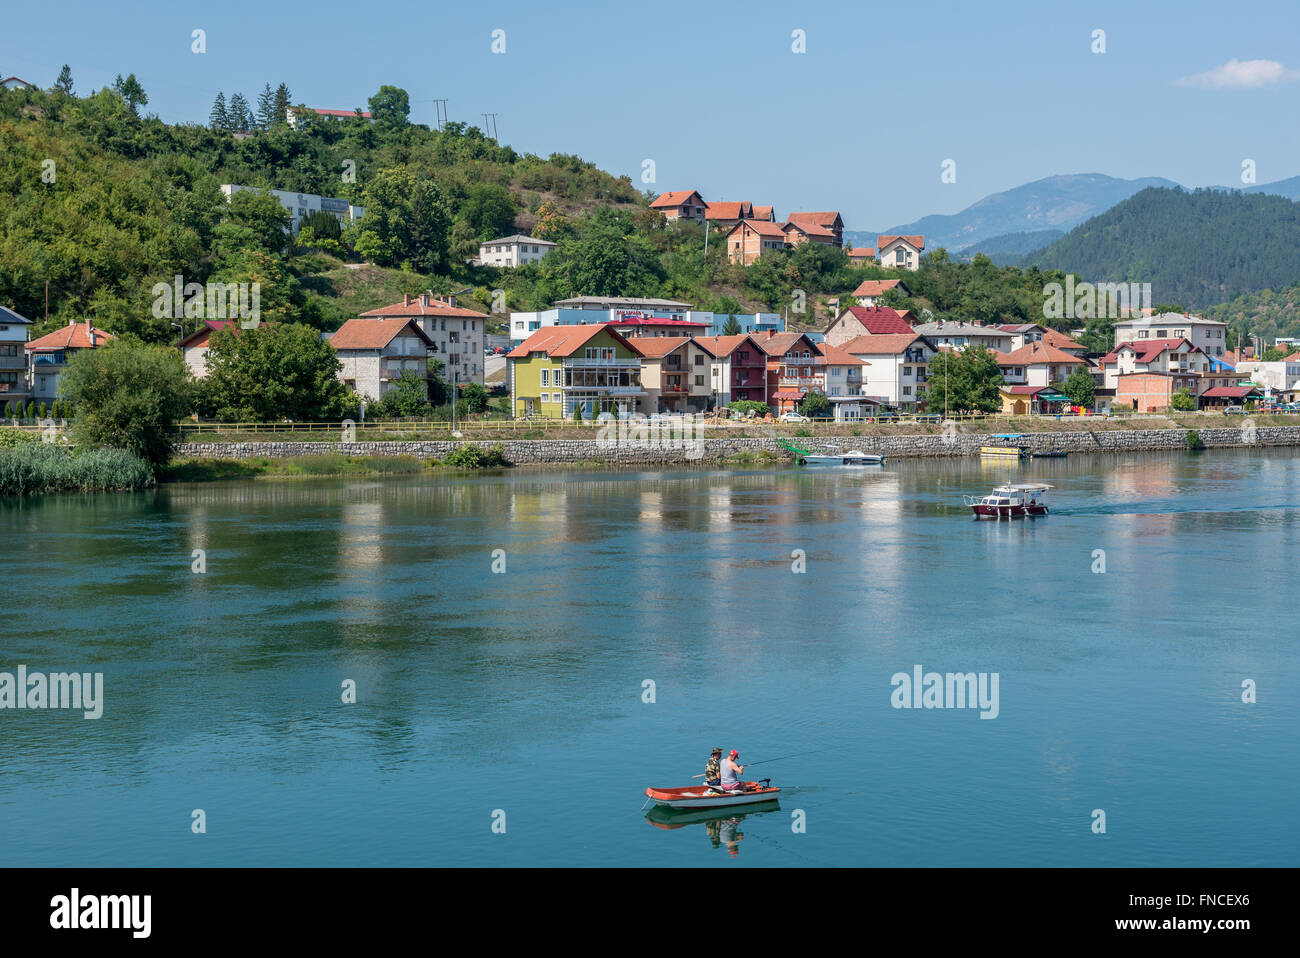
731,772
713,768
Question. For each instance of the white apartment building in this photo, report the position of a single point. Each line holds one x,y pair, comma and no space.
456,334
300,205
511,251
1208,335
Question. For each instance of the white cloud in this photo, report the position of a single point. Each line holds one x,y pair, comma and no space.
1242,74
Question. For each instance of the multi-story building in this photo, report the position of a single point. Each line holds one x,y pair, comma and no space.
724,214
376,352
674,374
14,386
1207,335
681,205
795,367
827,220
456,334
298,114
738,370
511,251
1165,356
900,252
560,368
47,357
961,335
868,321
1038,364
894,367
301,205
750,239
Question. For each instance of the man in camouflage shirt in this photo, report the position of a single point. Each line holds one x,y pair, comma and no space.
713,769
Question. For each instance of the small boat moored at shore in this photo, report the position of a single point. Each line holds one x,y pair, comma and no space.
1007,450
856,457
1013,501
705,796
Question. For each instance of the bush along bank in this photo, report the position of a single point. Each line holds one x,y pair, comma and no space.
32,468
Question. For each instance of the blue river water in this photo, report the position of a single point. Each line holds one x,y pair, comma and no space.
516,717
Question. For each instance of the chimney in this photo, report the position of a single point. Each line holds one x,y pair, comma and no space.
90,333
406,299
424,299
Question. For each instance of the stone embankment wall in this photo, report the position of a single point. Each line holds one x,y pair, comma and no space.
668,450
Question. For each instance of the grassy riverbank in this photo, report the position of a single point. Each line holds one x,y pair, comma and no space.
35,468
309,467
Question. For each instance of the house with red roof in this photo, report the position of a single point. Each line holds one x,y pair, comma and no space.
868,321
1038,364
806,232
1164,356
894,367
750,239
861,255
738,368
674,374
562,368
681,205
297,115
14,386
375,353
724,214
795,367
194,347
900,252
829,221
48,356
869,290
457,333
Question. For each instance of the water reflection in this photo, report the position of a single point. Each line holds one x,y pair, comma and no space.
721,825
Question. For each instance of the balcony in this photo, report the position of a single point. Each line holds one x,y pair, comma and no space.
580,363
803,382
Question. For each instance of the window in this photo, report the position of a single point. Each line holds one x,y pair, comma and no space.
546,378
900,255
907,390
699,360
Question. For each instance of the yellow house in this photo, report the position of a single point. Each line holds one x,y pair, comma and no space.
560,368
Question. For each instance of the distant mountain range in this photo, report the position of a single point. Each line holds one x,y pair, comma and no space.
1013,223
1196,249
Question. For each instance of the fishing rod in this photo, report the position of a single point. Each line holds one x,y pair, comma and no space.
780,758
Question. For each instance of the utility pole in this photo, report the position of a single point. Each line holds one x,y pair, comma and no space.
440,111
47,300
490,127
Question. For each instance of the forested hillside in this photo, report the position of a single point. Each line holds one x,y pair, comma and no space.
1197,248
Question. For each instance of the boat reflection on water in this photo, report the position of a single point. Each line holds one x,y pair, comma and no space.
722,825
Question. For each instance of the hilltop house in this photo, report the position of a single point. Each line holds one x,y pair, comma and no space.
13,357
807,232
560,368
900,252
750,239
725,214
456,334
681,205
375,353
869,290
511,251
301,205
829,221
861,255
297,114
48,356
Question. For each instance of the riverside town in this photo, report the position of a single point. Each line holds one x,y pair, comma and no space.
510,456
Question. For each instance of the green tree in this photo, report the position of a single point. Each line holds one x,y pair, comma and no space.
238,116
490,210
219,119
133,93
1273,355
266,108
731,327
462,242
275,371
475,396
253,218
408,397
64,83
129,396
281,104
816,406
1183,401
406,221
1080,387
390,107
966,381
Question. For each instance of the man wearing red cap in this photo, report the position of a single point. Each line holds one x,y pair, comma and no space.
731,772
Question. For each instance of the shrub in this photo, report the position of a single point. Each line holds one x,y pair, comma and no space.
744,406
31,410
469,456
9,409
1194,440
10,437
41,467
816,406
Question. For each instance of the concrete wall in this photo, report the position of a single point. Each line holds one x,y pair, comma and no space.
525,451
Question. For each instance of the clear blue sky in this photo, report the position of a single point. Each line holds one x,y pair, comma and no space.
713,93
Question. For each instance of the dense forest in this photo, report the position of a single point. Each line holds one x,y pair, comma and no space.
1198,248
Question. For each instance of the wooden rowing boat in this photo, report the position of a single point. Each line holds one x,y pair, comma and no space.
703,796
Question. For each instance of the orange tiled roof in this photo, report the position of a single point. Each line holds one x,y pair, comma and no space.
72,336
883,241
835,356
874,287
863,251
761,227
374,333
560,341
728,210
674,198
657,347
888,345
423,305
719,346
824,218
1038,352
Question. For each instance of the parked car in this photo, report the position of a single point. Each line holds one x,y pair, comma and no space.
794,417
930,417
1235,411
